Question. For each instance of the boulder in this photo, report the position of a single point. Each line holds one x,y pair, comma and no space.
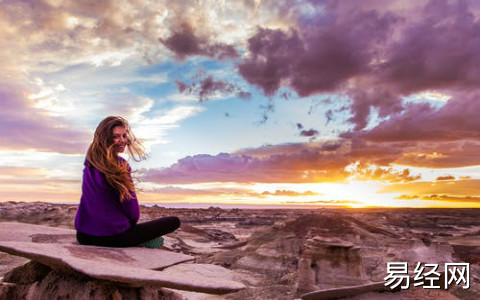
34,281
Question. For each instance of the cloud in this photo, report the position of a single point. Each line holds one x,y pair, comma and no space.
224,167
179,192
289,193
383,174
25,127
440,154
206,88
446,177
376,53
315,58
458,188
309,133
185,43
456,120
329,161
435,197
438,51
289,163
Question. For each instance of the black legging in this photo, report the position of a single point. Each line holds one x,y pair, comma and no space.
135,235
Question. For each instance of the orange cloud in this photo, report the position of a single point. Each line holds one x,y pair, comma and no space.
457,188
435,197
446,177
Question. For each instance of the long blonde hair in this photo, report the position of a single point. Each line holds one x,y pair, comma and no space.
102,155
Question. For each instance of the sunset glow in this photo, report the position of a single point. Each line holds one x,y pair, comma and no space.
314,103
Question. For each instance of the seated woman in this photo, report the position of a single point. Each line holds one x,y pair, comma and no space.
108,212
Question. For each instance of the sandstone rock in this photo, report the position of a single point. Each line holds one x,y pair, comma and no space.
350,291
16,231
330,266
256,222
27,274
275,258
126,265
60,255
53,284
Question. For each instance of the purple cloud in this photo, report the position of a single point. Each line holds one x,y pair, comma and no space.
371,51
456,120
184,43
315,58
206,87
24,127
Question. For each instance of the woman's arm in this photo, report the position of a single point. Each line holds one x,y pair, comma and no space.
130,207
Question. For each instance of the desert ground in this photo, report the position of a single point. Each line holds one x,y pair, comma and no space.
285,253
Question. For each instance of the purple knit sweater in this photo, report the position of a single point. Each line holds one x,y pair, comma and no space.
100,212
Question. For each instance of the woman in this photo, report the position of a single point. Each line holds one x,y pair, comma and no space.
108,212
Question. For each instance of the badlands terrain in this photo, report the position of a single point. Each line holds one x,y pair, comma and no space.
284,254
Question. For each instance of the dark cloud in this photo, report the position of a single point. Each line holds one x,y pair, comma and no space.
374,52
440,155
446,177
366,99
309,133
312,133
456,120
314,59
184,43
438,51
206,87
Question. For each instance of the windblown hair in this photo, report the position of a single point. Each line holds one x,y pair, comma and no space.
102,155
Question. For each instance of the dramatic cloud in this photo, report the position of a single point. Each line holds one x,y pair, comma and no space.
438,51
456,120
315,58
374,52
394,84
294,163
298,167
318,162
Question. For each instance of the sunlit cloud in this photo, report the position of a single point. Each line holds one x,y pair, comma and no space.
350,103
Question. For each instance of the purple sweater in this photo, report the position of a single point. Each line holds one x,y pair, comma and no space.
100,212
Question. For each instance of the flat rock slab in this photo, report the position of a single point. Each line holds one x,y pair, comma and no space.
57,255
23,232
155,259
125,265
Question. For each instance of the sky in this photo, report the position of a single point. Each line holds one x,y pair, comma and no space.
247,102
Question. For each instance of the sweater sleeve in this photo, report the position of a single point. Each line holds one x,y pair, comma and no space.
130,207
